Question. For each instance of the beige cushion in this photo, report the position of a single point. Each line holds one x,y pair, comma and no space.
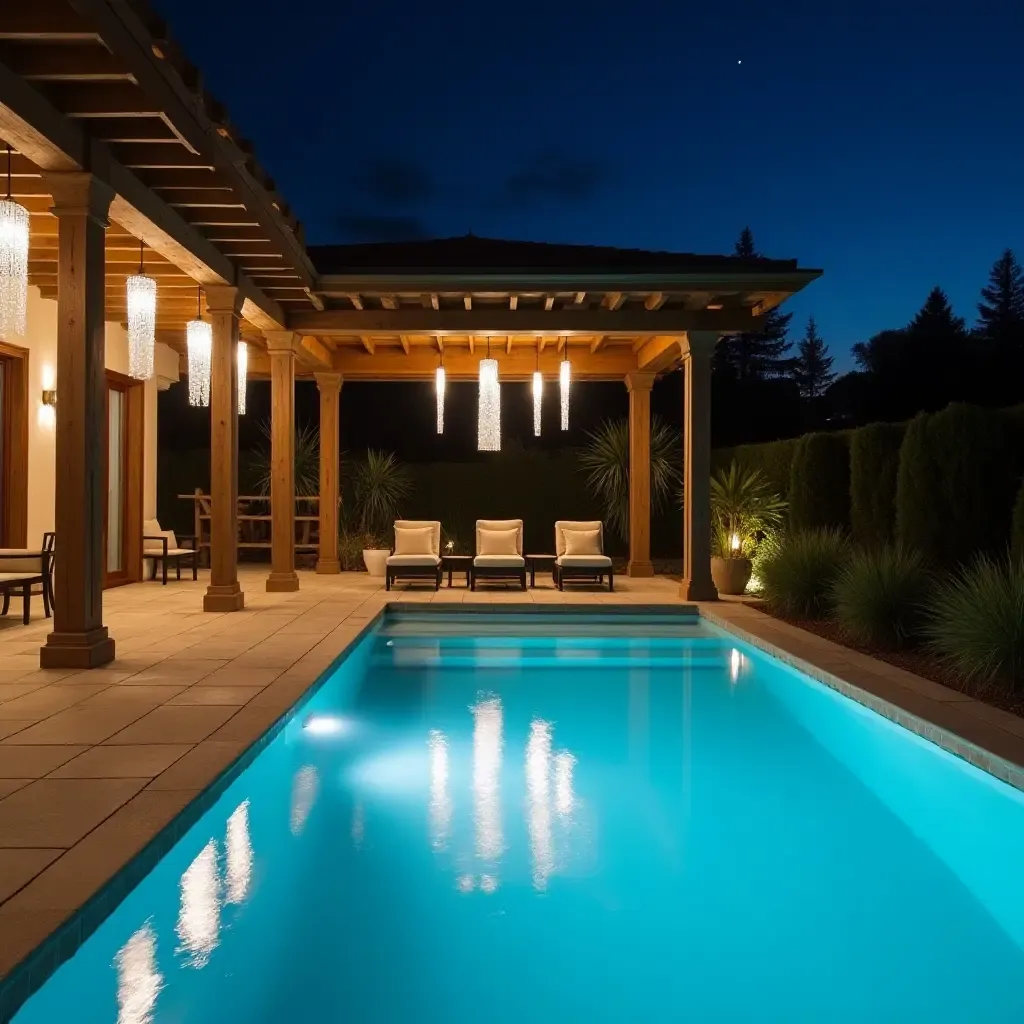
500,561
14,577
27,565
570,524
498,542
501,524
582,542
433,525
584,561
414,540
151,528
398,560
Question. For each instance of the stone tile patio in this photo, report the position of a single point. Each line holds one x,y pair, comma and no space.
94,764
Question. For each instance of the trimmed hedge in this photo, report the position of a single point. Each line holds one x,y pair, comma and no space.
1017,537
874,466
819,489
957,480
773,458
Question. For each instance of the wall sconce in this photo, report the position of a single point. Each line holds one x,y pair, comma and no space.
48,410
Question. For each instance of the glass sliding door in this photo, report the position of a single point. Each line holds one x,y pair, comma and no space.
116,492
122,521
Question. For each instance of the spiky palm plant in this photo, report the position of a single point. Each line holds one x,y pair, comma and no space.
744,505
307,461
605,459
379,484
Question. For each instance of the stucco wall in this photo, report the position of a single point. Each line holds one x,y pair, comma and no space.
41,341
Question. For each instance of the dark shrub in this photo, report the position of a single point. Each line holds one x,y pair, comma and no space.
819,491
975,623
956,485
874,465
797,578
773,458
1017,538
879,595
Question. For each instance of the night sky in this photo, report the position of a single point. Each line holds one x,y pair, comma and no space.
882,142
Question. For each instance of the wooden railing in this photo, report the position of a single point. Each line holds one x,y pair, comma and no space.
254,520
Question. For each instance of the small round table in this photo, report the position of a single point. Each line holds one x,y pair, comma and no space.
456,563
532,561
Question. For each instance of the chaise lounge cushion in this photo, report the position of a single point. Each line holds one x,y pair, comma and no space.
499,562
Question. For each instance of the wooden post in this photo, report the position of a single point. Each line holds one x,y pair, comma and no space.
79,638
697,584
224,303
329,386
281,347
639,385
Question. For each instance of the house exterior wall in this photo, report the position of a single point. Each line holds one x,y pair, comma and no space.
41,342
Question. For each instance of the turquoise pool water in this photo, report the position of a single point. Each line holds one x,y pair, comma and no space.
574,824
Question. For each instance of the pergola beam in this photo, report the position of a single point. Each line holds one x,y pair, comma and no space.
500,321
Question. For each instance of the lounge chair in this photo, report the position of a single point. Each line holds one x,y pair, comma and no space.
416,554
579,550
164,546
499,552
20,571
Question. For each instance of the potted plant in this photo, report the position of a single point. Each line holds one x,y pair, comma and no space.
379,484
744,508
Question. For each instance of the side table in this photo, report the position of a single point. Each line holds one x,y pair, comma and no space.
532,563
456,563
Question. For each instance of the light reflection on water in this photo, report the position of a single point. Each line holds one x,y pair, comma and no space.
487,753
440,801
239,854
538,787
199,916
304,788
138,979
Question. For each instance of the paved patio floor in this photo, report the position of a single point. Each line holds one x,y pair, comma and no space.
94,764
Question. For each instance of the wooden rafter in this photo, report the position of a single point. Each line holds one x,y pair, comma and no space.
655,301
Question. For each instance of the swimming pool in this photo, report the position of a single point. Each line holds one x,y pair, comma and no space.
556,819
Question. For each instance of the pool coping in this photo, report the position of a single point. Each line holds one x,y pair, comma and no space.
966,728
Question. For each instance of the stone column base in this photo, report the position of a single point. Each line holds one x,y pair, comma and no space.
698,590
77,650
640,569
328,566
282,582
226,598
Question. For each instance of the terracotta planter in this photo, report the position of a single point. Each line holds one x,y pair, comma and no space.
375,560
731,575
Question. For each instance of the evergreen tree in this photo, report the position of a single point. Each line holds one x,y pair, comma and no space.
812,368
1001,310
936,323
761,355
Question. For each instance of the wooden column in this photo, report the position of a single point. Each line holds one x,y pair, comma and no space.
639,385
329,386
697,584
223,304
79,638
281,347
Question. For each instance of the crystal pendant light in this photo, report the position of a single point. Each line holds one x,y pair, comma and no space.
488,423
199,339
13,261
538,394
141,321
439,382
564,382
243,371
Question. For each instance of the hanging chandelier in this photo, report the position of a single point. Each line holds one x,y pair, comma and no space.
439,382
141,321
199,340
488,422
243,372
538,394
13,261
564,382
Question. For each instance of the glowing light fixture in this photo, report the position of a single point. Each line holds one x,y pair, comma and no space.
735,542
488,421
564,383
538,395
243,371
141,291
439,382
13,261
199,340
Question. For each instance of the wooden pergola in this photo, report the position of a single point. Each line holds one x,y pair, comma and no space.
116,143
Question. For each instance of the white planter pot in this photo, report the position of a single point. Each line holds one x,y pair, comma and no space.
375,560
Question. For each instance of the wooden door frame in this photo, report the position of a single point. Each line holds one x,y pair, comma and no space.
133,457
14,505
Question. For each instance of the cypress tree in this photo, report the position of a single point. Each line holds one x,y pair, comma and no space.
1001,310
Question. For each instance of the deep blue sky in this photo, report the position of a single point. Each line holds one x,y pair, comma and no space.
882,142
